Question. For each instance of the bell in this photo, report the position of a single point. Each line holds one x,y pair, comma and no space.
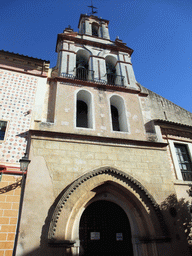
80,65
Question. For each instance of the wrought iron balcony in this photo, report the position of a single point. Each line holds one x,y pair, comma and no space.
88,75
80,74
114,79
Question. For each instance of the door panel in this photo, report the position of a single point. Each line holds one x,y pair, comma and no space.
105,230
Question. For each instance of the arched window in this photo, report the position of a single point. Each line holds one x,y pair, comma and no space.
118,114
95,29
84,110
111,70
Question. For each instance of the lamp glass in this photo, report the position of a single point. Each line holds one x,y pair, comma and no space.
24,162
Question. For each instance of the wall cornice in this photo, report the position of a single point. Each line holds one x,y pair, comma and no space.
101,86
97,139
113,47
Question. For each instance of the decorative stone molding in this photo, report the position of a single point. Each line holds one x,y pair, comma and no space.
126,178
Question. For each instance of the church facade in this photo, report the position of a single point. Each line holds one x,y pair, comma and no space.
110,160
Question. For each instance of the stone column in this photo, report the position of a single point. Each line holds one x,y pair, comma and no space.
105,30
62,68
87,27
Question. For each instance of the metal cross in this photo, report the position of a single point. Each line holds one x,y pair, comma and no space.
92,7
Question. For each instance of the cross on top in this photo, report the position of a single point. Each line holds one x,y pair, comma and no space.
92,8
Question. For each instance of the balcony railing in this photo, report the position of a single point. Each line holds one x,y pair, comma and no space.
114,79
80,74
88,75
84,74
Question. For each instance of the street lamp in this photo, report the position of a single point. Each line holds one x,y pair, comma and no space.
24,162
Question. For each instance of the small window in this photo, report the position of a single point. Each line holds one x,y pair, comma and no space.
84,112
118,114
184,161
3,125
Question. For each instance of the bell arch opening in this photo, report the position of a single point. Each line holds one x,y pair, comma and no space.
111,70
105,230
82,69
95,29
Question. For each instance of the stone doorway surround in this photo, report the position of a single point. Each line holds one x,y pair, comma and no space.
149,232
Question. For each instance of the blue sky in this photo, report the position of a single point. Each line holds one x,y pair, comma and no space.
159,32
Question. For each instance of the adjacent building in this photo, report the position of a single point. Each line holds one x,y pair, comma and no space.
20,78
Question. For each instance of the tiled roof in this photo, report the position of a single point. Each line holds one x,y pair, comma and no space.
21,55
172,123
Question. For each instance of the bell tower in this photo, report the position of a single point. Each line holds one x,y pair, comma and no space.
93,26
94,83
91,56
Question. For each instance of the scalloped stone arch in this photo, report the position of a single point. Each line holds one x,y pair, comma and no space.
87,188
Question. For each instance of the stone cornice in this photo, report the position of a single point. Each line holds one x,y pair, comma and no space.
64,50
24,64
97,85
98,139
113,47
94,17
173,125
12,55
124,62
23,72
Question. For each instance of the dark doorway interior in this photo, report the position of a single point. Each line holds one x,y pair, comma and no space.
105,230
115,118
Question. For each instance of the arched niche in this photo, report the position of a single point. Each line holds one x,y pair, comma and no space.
118,114
82,69
110,184
84,109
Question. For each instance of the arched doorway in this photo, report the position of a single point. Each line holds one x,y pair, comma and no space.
149,232
105,230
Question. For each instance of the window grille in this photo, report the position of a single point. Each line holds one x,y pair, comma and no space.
184,160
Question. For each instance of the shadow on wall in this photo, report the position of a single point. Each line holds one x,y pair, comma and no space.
178,216
51,252
45,249
10,187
